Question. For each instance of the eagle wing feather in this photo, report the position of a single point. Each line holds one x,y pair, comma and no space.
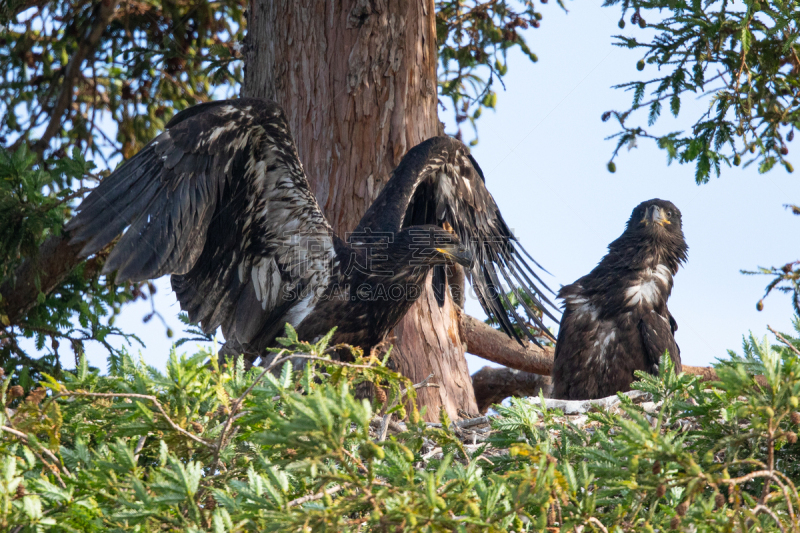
220,201
439,182
658,336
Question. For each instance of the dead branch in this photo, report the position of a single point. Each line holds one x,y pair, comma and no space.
492,385
579,407
784,340
318,496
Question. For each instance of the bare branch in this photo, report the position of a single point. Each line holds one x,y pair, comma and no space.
492,385
105,12
485,341
318,496
764,509
784,340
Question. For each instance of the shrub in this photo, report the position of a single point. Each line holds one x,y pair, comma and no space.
209,447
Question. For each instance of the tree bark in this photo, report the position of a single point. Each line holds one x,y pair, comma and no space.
495,384
56,259
493,345
357,79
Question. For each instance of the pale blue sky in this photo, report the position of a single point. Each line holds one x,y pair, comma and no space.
544,156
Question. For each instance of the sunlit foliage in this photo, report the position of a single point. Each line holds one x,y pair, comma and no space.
219,449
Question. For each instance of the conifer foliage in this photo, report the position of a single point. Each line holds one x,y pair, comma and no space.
741,56
216,448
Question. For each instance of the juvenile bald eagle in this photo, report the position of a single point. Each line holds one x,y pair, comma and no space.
220,200
615,318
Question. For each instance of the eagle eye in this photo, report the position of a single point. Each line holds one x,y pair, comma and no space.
669,214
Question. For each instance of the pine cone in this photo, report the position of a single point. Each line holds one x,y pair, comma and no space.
380,394
682,508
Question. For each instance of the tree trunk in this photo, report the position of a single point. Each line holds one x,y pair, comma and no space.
357,79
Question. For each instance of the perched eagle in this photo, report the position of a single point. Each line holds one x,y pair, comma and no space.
615,318
220,200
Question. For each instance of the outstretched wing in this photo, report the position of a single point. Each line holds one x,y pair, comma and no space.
658,336
220,200
438,181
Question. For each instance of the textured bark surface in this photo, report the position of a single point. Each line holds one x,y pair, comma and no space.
486,342
56,259
493,385
357,79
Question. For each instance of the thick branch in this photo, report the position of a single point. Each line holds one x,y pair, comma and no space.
56,260
485,341
488,343
493,385
63,104
10,10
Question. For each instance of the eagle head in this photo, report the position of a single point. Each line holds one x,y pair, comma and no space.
431,245
658,222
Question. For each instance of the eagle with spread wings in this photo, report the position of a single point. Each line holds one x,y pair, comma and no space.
221,202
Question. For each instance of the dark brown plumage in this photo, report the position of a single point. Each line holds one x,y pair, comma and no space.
221,202
616,318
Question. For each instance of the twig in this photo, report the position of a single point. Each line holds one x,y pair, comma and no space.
327,360
464,424
598,523
764,509
54,468
139,446
784,340
317,496
431,453
385,422
769,475
153,399
238,403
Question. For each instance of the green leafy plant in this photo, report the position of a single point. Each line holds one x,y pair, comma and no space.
34,204
214,447
741,56
73,69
